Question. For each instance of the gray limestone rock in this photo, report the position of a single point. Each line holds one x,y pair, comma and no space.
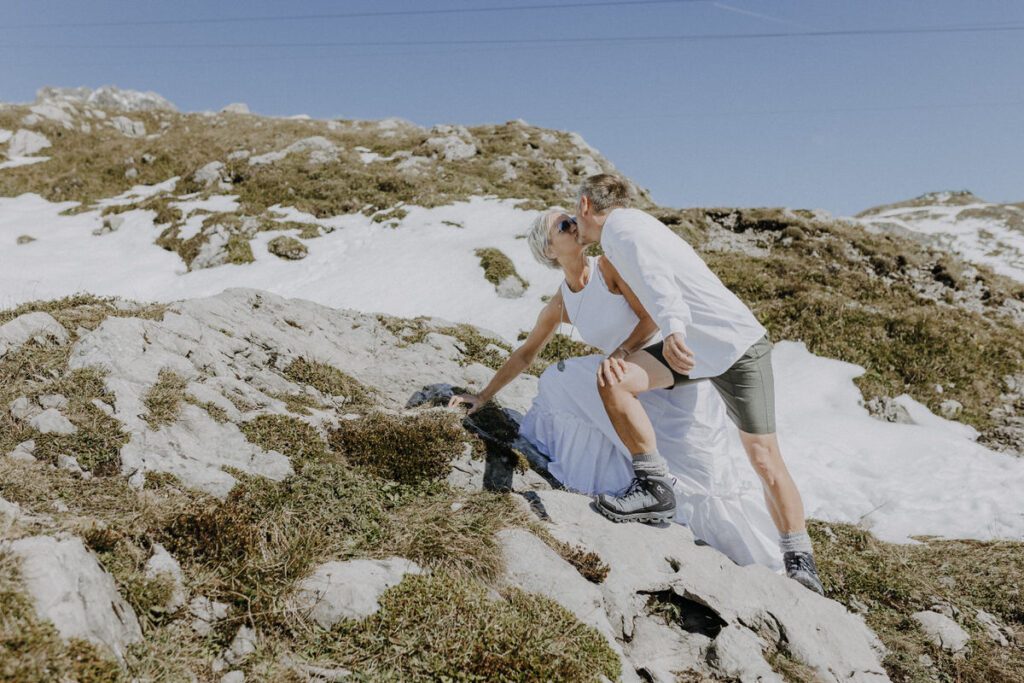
349,590
128,127
39,327
162,563
26,143
69,588
50,421
943,631
209,174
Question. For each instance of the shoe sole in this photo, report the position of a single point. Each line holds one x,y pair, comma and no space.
646,517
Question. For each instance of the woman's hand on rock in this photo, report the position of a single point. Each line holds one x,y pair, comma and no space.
472,401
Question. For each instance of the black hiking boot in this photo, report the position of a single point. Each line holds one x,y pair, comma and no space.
648,499
801,568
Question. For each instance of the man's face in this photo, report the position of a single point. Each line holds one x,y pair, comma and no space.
589,231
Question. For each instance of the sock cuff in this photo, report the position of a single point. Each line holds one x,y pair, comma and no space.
795,542
650,464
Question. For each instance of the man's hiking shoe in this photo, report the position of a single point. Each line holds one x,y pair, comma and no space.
801,568
648,499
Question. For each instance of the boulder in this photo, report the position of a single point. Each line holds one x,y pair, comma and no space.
39,327
349,590
69,588
236,108
995,631
943,631
320,149
452,143
23,409
205,613
26,143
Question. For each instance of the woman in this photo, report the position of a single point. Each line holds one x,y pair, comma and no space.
569,424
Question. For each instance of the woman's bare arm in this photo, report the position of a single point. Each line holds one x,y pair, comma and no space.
520,359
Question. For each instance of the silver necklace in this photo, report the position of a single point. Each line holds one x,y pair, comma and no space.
579,307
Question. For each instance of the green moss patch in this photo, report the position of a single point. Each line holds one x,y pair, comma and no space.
285,434
497,266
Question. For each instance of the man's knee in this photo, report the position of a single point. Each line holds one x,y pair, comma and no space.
766,461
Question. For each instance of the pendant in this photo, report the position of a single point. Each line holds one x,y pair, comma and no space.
561,366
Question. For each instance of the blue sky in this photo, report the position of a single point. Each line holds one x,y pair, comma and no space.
834,122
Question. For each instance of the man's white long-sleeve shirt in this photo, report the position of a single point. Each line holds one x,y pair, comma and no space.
679,290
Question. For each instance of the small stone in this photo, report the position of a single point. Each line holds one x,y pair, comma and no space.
162,563
50,421
243,645
287,248
943,631
993,628
24,451
25,239
104,407
70,463
148,158
53,401
950,409
858,606
938,388
209,174
61,506
22,408
457,506
925,660
131,173
233,677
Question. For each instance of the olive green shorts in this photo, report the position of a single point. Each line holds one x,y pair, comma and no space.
748,387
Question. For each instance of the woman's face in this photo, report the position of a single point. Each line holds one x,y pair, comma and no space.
562,236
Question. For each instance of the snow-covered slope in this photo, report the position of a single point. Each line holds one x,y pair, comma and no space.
982,232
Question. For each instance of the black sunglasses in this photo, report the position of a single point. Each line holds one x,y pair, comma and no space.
566,224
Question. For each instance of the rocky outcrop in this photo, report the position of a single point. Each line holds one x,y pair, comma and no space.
723,618
320,150
26,143
215,342
69,588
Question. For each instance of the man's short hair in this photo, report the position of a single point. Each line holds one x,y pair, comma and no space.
606,191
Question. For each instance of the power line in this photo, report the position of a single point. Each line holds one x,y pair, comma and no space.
693,37
362,15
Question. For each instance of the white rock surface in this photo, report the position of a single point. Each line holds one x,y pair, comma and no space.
106,97
754,608
349,590
5,135
996,631
162,563
26,143
236,108
39,327
22,408
233,677
943,631
69,588
57,401
511,288
128,127
205,613
50,421
70,463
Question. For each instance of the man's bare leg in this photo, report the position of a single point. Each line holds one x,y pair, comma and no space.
780,492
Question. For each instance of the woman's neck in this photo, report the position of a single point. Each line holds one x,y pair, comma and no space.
577,272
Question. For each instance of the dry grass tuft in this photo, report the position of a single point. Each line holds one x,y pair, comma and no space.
285,434
523,637
163,400
406,449
497,266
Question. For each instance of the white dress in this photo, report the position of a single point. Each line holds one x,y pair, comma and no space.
568,423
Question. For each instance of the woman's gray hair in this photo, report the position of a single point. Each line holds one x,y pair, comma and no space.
539,239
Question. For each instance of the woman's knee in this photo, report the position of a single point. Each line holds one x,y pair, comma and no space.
767,462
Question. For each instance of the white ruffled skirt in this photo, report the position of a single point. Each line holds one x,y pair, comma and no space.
568,423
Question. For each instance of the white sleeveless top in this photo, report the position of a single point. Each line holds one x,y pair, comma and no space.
603,319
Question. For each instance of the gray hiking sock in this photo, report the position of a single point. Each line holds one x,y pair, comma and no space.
795,542
650,464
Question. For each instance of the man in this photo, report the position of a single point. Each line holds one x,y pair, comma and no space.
707,333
